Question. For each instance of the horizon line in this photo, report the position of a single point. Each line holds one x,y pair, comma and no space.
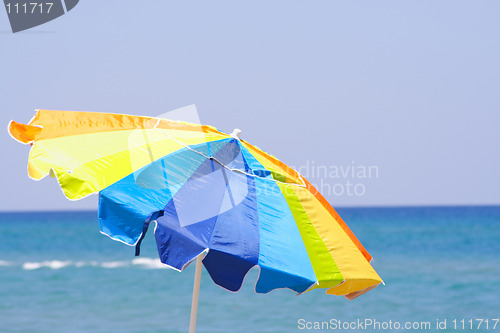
335,207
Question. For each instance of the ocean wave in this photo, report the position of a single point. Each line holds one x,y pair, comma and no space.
141,263
53,264
114,264
149,263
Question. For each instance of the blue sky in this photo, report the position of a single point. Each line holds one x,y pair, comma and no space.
410,88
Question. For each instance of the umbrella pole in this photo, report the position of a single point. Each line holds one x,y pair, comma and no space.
196,294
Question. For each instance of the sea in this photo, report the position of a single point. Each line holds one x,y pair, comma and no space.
440,266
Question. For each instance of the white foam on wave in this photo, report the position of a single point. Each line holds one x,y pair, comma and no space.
5,263
149,263
115,264
143,263
53,264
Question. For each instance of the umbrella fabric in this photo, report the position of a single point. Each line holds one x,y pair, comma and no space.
207,192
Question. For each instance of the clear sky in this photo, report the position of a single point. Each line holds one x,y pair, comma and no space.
410,89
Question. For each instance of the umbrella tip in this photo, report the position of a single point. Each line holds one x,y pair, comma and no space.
236,133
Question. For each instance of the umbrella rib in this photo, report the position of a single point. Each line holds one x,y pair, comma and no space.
226,167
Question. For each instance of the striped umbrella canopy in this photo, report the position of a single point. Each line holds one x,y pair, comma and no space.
212,195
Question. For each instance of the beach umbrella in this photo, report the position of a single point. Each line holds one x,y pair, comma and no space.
215,199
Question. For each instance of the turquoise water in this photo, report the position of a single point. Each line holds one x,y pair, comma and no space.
59,274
